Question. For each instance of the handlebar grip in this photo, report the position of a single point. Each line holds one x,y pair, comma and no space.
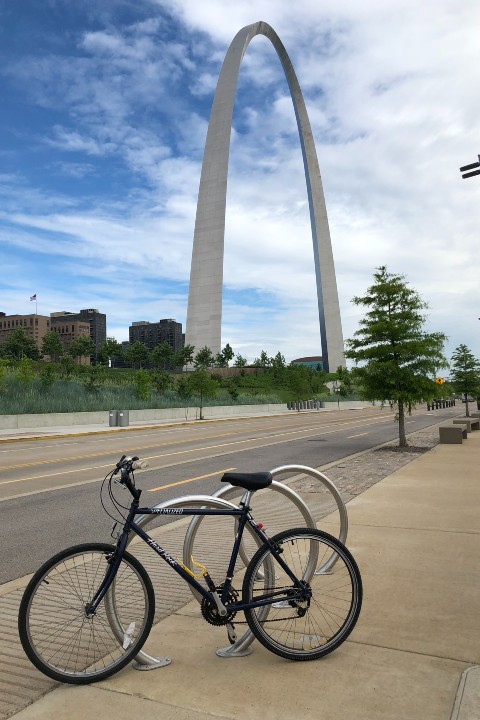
139,465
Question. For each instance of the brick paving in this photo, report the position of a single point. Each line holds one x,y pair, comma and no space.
21,684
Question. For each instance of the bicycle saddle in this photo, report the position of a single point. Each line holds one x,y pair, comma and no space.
249,481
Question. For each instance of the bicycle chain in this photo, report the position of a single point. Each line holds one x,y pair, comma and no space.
282,619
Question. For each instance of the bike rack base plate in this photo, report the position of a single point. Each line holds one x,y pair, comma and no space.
230,652
159,663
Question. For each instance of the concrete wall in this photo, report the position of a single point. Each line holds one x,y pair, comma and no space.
136,416
101,417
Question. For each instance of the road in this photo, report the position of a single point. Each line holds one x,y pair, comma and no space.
49,488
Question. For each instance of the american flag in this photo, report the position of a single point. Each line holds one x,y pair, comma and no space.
34,297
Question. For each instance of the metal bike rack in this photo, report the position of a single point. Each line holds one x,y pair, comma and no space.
242,646
143,661
218,500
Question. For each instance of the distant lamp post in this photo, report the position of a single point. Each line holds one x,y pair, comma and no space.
471,170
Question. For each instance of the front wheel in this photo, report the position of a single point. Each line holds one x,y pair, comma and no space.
56,633
313,626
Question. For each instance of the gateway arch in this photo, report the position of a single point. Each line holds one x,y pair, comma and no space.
204,312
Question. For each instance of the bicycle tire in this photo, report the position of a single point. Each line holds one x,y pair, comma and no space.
54,631
314,628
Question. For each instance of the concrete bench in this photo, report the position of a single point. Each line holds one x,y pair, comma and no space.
471,423
475,414
452,434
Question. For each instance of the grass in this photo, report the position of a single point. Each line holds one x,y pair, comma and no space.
17,398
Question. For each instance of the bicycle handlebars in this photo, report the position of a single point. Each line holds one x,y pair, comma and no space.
127,465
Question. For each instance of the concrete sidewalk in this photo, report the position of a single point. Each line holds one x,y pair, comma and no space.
413,654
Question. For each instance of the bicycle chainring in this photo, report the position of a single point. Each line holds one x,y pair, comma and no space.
210,611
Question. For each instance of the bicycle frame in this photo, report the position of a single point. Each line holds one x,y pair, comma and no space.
244,518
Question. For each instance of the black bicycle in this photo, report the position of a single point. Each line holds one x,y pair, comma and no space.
88,611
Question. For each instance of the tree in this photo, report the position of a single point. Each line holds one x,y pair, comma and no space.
397,358
465,374
48,375
227,354
187,353
263,361
136,354
142,384
344,381
25,371
19,345
240,361
161,380
52,345
82,346
161,356
109,350
203,359
203,385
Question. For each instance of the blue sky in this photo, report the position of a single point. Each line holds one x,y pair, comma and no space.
104,113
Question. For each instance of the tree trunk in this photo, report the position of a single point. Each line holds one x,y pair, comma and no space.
401,425
467,413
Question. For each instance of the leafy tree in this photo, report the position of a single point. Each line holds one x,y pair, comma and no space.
183,388
109,350
161,380
94,377
25,371
19,345
136,354
142,384
263,361
67,366
298,379
203,385
188,354
219,361
397,357
465,374
161,356
203,359
52,345
48,375
227,354
232,389
240,361
82,346
342,377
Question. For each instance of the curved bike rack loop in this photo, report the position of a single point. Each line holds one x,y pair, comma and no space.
241,646
143,661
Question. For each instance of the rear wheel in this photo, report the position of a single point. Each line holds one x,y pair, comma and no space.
308,628
56,634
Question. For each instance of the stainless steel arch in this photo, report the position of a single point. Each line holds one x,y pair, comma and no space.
204,313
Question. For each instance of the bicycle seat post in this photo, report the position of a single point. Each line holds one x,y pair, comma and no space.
246,498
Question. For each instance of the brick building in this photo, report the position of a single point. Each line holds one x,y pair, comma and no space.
34,325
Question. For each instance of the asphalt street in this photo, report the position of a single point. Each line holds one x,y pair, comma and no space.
49,488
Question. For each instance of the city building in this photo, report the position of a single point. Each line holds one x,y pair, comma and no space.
152,334
68,331
315,362
34,325
96,320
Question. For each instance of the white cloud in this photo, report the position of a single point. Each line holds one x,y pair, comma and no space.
390,91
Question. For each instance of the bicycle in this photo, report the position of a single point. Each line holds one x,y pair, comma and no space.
89,610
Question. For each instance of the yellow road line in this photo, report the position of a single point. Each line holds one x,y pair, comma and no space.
186,452
182,482
182,440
